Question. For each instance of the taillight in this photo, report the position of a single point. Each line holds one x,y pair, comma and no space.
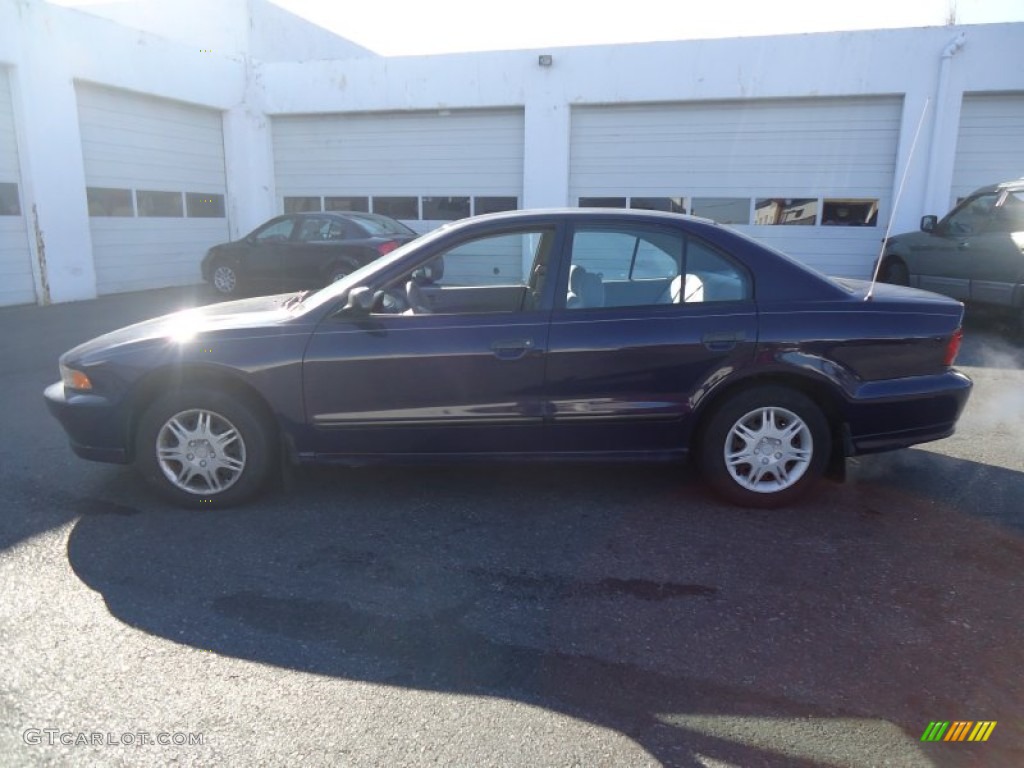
387,247
953,347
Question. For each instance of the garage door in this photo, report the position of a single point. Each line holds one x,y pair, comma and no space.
16,283
154,172
810,176
990,145
422,168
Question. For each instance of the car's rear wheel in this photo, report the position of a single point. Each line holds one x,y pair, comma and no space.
204,448
224,279
341,270
765,447
895,272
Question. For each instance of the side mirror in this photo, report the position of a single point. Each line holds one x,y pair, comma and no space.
360,301
928,223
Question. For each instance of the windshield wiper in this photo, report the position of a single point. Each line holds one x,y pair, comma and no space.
297,298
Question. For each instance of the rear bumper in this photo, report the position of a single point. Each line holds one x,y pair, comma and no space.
94,425
896,413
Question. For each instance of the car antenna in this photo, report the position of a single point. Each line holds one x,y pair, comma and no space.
899,194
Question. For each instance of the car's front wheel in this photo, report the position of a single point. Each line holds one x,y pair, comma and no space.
765,447
204,448
224,279
895,272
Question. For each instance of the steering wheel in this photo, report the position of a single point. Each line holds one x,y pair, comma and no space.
417,300
392,302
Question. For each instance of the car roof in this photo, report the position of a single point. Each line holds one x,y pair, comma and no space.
584,213
1016,184
343,214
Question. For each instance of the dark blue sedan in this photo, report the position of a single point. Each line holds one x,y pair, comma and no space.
568,334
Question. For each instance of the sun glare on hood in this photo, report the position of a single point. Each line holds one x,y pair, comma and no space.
183,326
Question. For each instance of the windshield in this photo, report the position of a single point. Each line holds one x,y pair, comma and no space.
381,225
365,274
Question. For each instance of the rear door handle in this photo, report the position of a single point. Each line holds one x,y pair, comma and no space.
512,349
721,341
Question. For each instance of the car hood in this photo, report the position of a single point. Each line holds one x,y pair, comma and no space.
908,238
259,312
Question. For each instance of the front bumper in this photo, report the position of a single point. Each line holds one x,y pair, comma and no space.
95,426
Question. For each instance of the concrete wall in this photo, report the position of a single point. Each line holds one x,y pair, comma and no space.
48,48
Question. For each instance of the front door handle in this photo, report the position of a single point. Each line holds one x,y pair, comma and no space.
722,341
512,349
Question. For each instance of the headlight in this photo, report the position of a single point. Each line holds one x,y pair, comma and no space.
73,379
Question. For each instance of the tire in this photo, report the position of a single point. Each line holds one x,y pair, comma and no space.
895,272
225,280
340,270
765,447
203,448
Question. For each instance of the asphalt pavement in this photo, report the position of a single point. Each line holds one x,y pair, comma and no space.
527,615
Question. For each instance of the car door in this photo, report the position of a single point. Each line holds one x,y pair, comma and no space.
942,259
318,241
417,377
264,257
650,315
996,253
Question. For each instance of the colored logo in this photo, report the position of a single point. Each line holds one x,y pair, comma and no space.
958,730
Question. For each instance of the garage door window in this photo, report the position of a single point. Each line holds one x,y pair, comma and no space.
724,210
397,207
483,205
668,204
9,203
445,208
602,202
301,204
849,213
359,204
786,211
104,201
159,204
201,205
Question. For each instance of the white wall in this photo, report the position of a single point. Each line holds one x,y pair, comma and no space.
217,64
902,63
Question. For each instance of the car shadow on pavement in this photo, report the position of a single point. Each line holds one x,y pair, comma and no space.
827,634
40,476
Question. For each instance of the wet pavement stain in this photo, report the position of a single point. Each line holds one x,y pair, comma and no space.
547,587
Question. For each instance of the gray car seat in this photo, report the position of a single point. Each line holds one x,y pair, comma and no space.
585,289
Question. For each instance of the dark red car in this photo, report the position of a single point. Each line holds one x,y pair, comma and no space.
301,250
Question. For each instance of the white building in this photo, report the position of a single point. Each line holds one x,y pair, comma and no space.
133,140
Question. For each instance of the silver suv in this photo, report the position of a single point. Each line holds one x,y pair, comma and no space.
975,253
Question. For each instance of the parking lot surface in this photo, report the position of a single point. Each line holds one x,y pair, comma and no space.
506,615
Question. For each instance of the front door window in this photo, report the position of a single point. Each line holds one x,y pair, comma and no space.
493,274
973,216
276,232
